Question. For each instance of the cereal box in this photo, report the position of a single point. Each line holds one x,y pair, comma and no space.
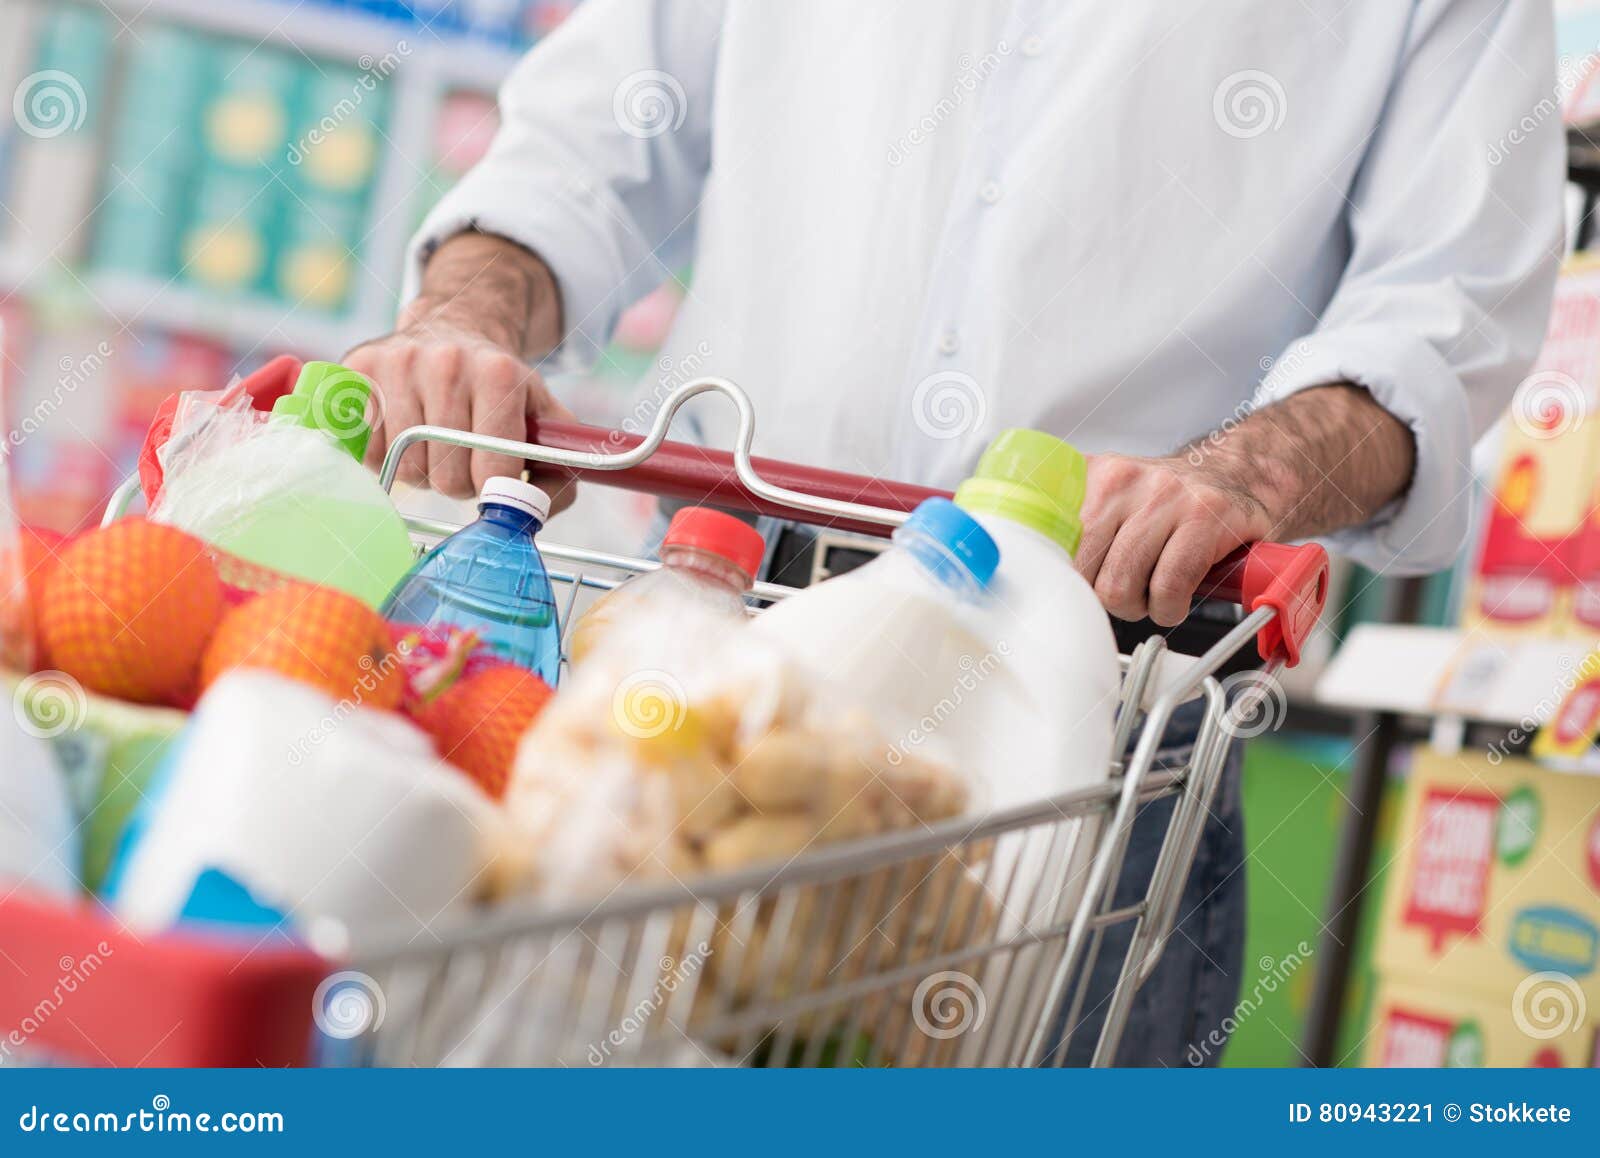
1498,876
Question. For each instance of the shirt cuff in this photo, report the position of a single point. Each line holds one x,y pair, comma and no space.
561,224
1423,530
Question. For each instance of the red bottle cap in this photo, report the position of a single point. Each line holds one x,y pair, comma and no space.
707,530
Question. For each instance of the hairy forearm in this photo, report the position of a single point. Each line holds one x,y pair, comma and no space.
1318,461
493,286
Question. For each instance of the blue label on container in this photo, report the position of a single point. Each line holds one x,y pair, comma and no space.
1555,939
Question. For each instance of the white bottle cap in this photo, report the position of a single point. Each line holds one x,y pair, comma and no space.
513,492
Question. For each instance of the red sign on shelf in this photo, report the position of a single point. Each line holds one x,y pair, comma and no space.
1454,851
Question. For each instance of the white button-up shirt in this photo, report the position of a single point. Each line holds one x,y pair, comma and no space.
912,225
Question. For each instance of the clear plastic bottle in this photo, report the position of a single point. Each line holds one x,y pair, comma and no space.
708,563
489,577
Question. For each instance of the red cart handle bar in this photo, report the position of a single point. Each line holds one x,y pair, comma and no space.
1291,580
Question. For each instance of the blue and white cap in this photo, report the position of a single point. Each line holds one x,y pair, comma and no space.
960,535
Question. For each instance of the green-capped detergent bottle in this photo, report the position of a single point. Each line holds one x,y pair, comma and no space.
305,504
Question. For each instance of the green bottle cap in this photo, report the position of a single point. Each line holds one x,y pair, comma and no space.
333,399
1031,478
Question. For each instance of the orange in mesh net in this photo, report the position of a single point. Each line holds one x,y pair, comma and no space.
319,636
128,609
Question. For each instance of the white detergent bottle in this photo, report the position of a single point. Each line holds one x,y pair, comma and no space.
1027,492
907,639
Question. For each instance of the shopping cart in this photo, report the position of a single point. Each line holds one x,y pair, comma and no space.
925,946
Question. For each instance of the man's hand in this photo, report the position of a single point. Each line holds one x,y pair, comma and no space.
1323,459
458,358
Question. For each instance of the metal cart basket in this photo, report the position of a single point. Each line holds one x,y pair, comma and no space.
967,942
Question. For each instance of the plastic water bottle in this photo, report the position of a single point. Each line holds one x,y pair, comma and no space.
488,577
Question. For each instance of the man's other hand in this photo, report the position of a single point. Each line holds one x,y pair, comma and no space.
1152,528
1320,460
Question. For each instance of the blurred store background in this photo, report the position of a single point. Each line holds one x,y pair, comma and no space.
193,186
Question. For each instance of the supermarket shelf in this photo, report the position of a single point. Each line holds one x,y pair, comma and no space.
317,31
241,323
1449,673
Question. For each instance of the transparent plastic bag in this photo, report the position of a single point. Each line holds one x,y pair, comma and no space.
652,762
279,494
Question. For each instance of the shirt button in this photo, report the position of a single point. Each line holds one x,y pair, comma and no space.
990,191
1032,46
949,342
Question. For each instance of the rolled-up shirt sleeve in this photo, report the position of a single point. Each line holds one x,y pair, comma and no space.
599,161
1456,227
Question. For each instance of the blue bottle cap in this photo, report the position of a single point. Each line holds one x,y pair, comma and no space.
959,534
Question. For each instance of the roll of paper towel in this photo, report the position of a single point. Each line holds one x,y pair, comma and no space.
38,832
281,804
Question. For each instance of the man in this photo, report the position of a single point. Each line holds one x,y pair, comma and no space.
1288,240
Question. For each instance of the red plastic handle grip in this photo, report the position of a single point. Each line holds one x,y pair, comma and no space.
1291,580
173,1000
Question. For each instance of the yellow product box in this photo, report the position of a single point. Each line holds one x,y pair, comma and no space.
1426,1026
1523,578
1497,877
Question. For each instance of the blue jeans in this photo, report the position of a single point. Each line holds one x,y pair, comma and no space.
1178,1016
